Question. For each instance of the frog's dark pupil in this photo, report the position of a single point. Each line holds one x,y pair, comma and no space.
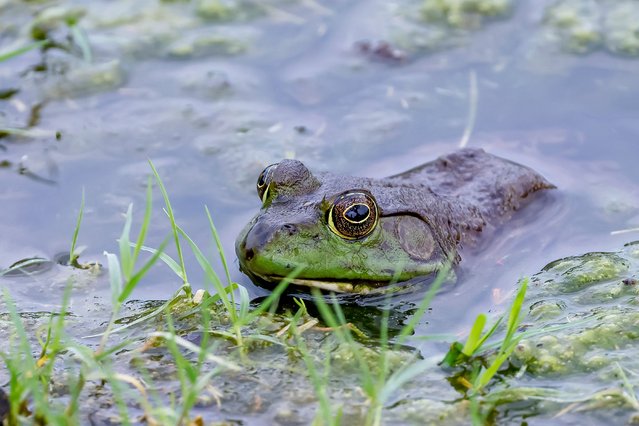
357,213
261,180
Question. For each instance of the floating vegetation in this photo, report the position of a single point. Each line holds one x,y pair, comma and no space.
583,26
464,14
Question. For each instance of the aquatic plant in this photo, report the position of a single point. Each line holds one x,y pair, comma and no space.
378,376
12,53
478,357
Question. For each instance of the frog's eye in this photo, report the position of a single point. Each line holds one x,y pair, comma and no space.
264,180
353,215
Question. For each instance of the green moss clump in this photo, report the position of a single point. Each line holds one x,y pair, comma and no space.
215,10
347,356
546,309
463,13
200,45
82,79
632,249
581,348
574,273
576,23
582,26
622,28
53,17
582,318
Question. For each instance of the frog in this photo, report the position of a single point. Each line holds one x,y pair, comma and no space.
352,234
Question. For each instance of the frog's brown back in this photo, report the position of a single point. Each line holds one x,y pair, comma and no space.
494,185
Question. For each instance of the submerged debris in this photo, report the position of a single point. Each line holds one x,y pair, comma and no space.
381,51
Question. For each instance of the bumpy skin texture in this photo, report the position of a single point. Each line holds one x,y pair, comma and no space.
425,215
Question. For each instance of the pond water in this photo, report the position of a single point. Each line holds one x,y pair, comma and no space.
212,94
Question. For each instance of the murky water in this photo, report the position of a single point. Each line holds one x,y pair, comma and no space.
211,102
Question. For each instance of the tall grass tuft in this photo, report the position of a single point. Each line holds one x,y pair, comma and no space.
483,359
378,384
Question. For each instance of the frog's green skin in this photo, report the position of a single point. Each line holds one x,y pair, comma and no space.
425,215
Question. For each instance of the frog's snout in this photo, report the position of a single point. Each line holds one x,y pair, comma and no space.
261,234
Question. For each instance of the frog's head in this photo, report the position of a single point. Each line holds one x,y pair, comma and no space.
340,230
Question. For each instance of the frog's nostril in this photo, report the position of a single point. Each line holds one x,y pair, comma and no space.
248,254
289,228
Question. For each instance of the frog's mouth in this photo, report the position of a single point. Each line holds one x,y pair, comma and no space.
358,287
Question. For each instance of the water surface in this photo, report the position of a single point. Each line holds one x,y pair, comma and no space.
212,101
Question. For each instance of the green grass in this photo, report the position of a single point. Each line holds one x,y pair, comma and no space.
377,377
480,360
5,56
73,255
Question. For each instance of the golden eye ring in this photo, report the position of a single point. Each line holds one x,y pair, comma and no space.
353,215
264,181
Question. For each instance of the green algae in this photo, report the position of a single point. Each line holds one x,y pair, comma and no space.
580,335
432,25
546,309
575,273
597,307
82,79
583,26
207,44
464,13
216,10
609,337
632,249
576,24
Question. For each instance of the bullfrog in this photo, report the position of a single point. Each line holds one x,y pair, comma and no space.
357,234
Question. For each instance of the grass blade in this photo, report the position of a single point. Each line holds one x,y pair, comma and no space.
210,273
244,302
20,50
168,260
81,40
409,328
486,375
145,222
489,332
132,283
73,257
404,375
172,337
155,312
218,243
115,276
275,295
514,319
23,264
174,227
474,337
125,252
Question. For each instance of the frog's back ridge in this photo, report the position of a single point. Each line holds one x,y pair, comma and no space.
495,185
